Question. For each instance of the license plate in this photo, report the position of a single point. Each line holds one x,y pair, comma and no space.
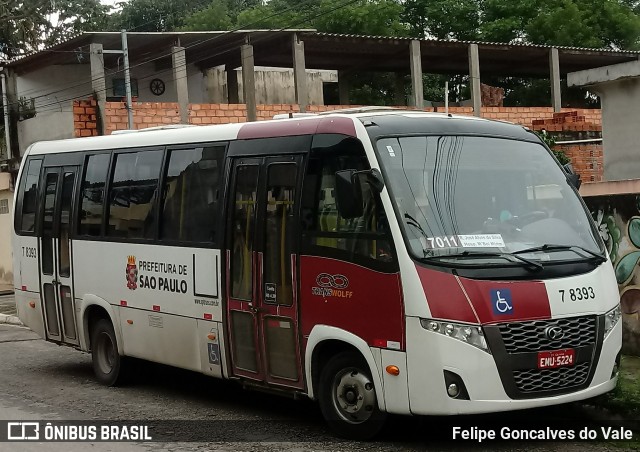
556,358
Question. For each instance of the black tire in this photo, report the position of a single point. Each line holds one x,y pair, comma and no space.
109,367
348,398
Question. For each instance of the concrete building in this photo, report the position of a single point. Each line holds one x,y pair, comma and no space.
619,89
6,226
615,202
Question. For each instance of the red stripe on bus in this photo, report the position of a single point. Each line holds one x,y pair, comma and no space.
529,300
156,307
271,129
445,298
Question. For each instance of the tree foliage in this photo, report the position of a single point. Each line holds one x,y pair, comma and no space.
28,25
154,15
584,23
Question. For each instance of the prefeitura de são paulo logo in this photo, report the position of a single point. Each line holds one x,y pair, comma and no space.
132,273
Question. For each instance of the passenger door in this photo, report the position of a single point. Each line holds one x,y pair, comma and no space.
262,269
56,269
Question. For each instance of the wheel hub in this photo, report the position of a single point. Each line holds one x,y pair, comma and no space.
354,396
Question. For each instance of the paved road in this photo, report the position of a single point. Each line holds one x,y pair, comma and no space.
42,381
7,304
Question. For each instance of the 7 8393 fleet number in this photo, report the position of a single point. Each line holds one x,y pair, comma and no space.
577,294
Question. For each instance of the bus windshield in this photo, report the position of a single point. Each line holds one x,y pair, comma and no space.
478,198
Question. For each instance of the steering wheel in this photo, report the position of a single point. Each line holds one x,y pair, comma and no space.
527,218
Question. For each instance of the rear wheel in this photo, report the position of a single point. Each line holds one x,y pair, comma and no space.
348,398
108,366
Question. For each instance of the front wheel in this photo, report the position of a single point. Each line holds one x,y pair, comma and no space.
108,366
348,399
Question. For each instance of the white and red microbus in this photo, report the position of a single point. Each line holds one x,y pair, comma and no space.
379,262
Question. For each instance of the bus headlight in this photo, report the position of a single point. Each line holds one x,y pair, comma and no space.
611,318
471,334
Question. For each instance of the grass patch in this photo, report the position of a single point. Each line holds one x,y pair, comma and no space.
625,398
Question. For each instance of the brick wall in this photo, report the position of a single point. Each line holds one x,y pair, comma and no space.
586,160
151,114
85,119
570,124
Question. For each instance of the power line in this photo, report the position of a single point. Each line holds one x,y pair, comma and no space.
187,47
42,108
75,84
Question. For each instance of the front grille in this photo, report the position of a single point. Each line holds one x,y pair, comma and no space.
532,380
523,337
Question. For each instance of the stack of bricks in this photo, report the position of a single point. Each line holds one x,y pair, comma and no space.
567,121
85,119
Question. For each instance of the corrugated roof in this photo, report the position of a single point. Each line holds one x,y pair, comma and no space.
465,42
327,51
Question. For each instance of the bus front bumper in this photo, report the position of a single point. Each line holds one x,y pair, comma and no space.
430,354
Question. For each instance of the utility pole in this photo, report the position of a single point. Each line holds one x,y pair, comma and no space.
127,77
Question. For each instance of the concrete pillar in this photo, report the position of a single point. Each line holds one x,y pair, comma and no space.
11,84
398,91
300,74
474,76
98,83
249,81
554,76
417,90
233,96
180,77
343,87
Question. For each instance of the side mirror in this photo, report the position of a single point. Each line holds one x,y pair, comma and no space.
572,177
348,194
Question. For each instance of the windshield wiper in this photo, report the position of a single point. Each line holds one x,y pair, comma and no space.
510,257
552,247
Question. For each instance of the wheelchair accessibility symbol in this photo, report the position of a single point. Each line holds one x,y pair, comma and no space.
501,301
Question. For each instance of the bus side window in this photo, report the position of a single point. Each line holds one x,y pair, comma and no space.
133,194
28,194
366,237
191,195
92,194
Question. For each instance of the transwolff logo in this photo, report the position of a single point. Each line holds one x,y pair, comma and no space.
132,273
332,286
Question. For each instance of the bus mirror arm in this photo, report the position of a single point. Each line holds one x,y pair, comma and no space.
572,176
373,178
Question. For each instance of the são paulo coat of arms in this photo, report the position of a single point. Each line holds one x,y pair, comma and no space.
132,273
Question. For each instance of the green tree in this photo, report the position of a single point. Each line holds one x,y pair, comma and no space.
365,17
153,15
26,26
585,23
213,17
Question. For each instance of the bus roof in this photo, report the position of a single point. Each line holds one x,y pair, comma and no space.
330,122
